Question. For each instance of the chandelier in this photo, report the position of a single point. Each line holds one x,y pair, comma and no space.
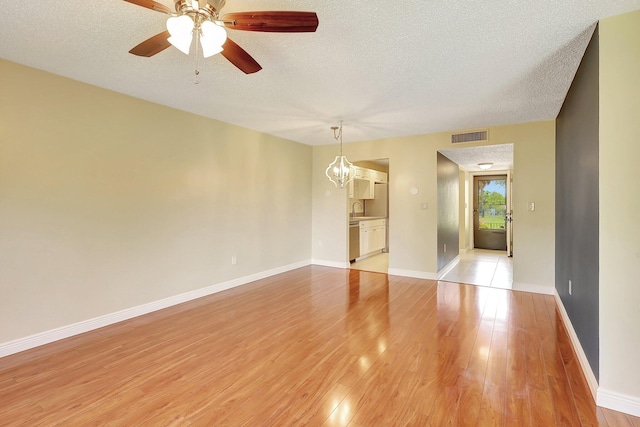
341,171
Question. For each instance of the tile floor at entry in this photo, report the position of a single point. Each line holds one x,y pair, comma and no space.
484,268
478,267
378,263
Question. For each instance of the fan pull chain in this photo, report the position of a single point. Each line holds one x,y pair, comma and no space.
197,72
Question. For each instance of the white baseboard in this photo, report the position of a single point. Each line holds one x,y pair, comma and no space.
36,340
447,268
618,402
411,273
536,289
577,347
327,263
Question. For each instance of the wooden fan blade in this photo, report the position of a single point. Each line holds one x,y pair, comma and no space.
273,22
153,45
239,57
150,4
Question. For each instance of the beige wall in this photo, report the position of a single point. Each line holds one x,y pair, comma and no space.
109,202
620,206
413,231
465,209
372,165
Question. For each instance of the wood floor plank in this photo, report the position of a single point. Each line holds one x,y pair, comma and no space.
517,399
617,419
315,346
602,420
492,406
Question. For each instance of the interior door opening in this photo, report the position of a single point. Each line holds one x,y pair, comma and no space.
368,215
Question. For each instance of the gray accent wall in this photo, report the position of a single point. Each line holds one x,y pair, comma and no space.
577,218
448,208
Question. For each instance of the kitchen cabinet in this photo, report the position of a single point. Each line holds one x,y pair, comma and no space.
363,188
356,188
363,184
362,173
377,176
373,236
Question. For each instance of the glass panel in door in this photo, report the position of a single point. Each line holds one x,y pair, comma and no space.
490,212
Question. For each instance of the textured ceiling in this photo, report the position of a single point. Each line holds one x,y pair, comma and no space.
468,158
386,68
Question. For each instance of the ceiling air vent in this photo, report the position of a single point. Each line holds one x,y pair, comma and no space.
481,135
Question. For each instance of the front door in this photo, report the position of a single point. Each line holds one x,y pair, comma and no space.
490,212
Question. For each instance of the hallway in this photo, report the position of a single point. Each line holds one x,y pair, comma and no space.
483,268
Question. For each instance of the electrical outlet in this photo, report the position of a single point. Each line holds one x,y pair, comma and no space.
445,247
570,290
234,260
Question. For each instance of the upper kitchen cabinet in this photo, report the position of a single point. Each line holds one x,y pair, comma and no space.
378,176
363,188
363,184
362,173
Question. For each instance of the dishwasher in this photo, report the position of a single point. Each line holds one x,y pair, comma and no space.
354,240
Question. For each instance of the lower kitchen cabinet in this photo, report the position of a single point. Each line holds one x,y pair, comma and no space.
373,236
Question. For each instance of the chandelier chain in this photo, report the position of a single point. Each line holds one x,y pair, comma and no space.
337,134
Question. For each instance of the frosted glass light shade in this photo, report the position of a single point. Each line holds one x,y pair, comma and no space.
183,43
212,38
181,30
179,25
341,171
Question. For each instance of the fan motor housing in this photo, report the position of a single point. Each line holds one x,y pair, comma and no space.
216,5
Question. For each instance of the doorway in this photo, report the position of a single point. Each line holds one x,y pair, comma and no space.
368,215
490,212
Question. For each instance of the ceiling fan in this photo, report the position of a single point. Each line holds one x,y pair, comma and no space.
202,19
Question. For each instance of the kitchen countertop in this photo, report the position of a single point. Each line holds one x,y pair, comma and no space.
364,218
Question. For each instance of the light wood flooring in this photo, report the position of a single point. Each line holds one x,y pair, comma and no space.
315,346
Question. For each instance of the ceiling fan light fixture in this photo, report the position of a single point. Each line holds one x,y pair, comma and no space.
180,25
181,30
212,38
209,50
485,165
203,18
182,43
